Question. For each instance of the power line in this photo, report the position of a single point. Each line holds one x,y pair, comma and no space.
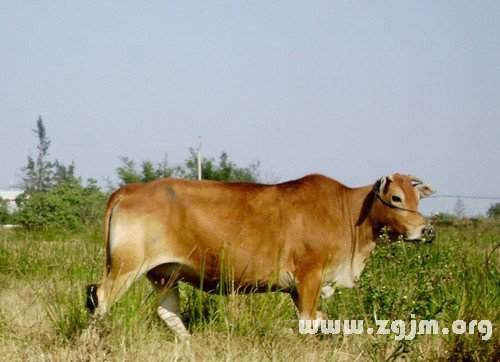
465,197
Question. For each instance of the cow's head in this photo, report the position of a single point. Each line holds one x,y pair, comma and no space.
396,206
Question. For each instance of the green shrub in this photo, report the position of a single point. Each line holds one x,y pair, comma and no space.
443,219
494,210
68,206
5,216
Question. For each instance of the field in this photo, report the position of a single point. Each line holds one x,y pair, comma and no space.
42,314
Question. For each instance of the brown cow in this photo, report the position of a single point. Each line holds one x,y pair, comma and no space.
302,237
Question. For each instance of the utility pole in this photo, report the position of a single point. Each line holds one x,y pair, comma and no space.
446,202
199,158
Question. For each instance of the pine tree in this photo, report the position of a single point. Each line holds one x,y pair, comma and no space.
39,172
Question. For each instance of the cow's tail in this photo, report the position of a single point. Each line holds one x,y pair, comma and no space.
114,199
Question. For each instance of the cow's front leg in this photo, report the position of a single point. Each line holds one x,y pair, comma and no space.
307,293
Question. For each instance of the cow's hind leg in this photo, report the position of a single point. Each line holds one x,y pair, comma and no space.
101,296
169,311
168,308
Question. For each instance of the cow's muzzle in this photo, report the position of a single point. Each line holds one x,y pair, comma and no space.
428,234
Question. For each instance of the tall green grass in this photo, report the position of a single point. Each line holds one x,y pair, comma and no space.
456,277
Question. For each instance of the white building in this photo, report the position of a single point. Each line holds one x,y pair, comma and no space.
10,196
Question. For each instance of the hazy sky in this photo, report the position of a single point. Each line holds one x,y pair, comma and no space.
351,89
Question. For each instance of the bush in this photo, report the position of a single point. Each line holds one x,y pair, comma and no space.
5,216
494,210
68,206
443,219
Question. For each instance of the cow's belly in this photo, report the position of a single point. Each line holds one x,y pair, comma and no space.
217,280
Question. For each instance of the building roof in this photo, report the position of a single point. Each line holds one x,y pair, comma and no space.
10,195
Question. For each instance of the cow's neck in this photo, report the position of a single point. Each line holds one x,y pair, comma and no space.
362,203
365,230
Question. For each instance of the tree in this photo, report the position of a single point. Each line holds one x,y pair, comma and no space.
38,173
494,210
42,174
63,173
54,197
459,209
223,170
128,173
162,170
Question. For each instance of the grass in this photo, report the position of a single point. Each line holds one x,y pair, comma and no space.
42,314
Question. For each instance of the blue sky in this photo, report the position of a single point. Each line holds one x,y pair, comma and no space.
351,89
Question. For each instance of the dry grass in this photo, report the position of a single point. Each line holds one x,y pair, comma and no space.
27,335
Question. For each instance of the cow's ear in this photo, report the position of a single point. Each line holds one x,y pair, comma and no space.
422,188
381,183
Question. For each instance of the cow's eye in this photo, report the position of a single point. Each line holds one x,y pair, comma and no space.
396,198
